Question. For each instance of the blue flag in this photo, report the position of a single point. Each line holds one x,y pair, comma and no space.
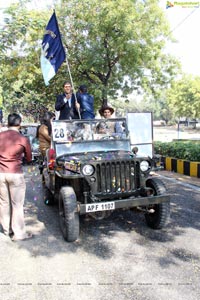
53,52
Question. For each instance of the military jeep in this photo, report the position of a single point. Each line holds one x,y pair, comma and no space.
93,171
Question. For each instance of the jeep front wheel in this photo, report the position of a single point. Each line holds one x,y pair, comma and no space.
68,215
161,212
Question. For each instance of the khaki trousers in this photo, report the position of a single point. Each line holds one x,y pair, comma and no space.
12,195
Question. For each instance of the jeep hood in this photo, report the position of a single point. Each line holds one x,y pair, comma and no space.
94,156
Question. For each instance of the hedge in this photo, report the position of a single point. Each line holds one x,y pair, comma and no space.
186,150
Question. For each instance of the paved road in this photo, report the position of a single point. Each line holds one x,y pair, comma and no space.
116,258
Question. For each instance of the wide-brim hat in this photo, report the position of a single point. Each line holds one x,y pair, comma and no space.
101,111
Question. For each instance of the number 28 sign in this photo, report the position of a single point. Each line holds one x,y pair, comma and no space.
59,131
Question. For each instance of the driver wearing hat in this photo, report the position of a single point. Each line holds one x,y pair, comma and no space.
106,111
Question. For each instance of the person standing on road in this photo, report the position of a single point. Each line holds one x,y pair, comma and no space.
86,103
13,146
66,104
44,132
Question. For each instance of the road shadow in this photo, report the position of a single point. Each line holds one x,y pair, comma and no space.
96,235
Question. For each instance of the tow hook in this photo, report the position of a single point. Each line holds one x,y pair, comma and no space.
146,210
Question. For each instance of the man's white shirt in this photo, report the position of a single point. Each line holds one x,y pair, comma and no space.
69,101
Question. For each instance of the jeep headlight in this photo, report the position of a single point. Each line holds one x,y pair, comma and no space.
88,170
144,165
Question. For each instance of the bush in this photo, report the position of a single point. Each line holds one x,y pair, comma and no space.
181,150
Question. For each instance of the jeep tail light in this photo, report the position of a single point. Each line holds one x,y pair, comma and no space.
51,160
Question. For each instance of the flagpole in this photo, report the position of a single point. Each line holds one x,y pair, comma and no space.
70,76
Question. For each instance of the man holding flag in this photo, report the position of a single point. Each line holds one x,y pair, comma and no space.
52,56
67,104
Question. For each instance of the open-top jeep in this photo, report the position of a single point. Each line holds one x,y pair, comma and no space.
92,168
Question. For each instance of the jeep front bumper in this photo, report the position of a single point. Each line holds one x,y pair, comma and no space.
122,203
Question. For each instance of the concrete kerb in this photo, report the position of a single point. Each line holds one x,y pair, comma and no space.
181,166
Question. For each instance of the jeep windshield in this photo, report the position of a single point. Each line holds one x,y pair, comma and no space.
83,136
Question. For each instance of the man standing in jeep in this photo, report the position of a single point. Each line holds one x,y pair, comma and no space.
86,103
66,104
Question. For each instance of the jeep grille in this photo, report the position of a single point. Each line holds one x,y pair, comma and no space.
120,176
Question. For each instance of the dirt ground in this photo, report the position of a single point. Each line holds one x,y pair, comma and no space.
168,133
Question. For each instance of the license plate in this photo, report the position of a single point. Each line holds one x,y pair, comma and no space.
100,206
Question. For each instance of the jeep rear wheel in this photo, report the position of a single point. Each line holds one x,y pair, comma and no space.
160,217
68,215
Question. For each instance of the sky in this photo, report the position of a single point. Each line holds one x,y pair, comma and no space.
184,23
5,3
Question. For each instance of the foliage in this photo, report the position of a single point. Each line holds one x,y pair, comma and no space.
112,46
180,150
21,80
159,107
184,97
117,45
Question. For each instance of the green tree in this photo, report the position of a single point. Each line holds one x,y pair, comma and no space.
158,105
184,97
111,45
22,88
115,44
